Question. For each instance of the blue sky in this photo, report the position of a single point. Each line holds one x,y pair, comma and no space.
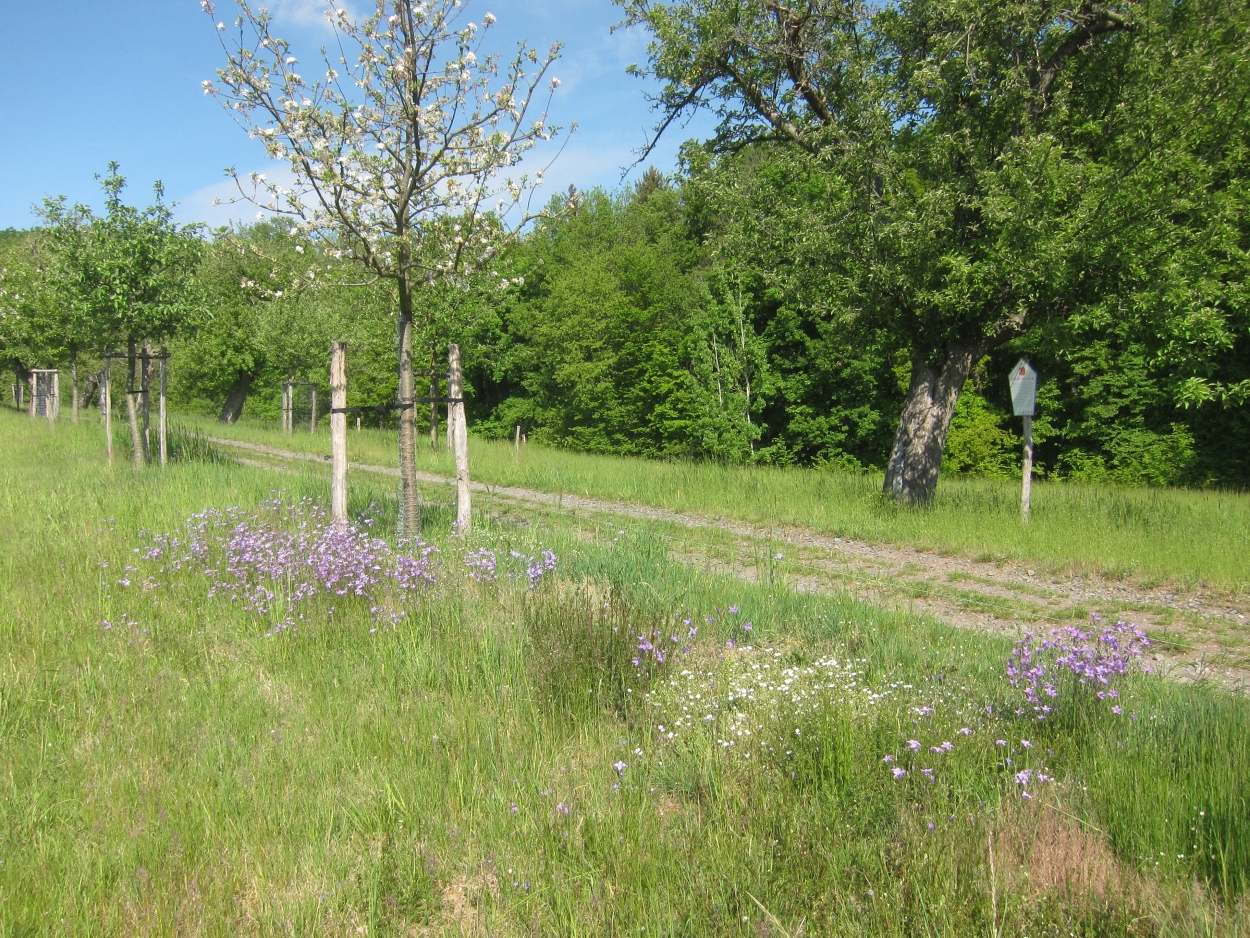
83,82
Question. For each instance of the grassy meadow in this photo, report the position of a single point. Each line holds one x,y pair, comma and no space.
1186,538
481,755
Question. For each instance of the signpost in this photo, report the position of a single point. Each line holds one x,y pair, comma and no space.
1023,381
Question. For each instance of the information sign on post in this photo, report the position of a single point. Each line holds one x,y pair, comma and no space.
1023,381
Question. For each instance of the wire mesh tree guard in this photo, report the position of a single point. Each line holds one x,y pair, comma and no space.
457,430
138,398
45,393
299,405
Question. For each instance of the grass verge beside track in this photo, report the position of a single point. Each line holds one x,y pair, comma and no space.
496,764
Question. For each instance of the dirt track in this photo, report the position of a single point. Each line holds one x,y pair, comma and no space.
1199,634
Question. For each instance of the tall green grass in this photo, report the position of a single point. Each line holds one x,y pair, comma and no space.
188,774
1187,538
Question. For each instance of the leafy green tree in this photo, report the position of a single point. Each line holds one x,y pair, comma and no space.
125,277
979,155
397,152
21,296
612,343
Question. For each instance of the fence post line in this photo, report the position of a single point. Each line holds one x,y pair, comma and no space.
338,431
163,428
460,439
108,407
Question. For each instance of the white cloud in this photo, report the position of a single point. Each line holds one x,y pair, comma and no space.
199,205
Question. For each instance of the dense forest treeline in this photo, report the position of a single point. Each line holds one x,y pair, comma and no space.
773,303
628,327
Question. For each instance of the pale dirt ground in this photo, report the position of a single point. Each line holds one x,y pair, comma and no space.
1199,634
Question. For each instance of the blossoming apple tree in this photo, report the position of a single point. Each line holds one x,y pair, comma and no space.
399,149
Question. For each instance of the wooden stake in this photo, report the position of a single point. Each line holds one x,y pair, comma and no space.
163,428
459,433
1026,484
338,431
133,403
312,420
518,442
34,393
73,376
108,407
52,406
146,400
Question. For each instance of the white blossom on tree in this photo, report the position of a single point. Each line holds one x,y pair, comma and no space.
403,149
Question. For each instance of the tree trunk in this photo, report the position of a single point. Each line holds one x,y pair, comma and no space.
912,473
409,503
232,410
73,373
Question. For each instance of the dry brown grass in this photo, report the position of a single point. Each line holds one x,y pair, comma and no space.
1039,850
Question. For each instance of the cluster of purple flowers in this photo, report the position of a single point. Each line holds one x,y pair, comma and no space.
483,565
1091,656
287,553
538,567
658,647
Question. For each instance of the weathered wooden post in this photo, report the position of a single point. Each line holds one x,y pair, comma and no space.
459,432
146,386
163,427
53,405
338,431
107,391
34,393
312,419
1023,383
518,442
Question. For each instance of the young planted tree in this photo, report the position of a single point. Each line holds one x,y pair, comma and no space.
397,150
130,279
20,299
973,149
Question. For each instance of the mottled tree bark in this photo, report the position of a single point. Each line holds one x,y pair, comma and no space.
912,473
232,410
